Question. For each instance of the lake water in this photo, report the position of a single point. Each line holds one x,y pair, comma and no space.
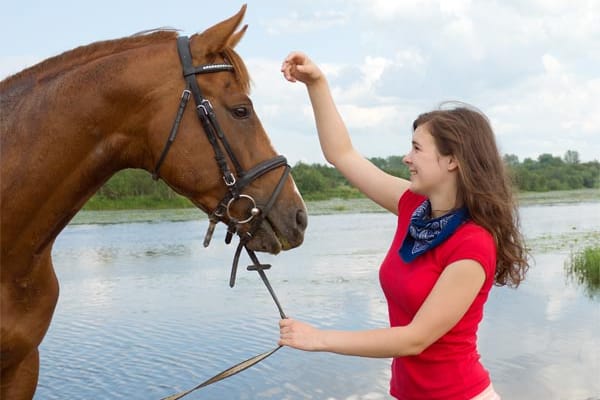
145,311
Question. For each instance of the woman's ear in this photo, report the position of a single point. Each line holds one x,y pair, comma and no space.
452,163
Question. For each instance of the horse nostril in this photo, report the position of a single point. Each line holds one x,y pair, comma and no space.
301,219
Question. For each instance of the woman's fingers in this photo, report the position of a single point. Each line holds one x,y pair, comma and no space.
298,67
287,68
285,331
298,334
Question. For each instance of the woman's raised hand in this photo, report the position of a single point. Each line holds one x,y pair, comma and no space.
298,67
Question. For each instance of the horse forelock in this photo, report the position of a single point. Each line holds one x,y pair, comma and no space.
84,54
241,72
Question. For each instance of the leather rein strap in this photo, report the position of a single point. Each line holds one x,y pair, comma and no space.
237,368
235,184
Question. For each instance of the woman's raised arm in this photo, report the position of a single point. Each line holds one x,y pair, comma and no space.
382,188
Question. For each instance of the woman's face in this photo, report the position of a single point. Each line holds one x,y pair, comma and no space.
429,170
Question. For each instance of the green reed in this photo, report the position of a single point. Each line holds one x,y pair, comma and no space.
583,267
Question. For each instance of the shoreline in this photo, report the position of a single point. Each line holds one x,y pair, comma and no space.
319,207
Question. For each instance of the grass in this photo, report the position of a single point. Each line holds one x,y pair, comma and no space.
583,267
336,195
98,203
558,196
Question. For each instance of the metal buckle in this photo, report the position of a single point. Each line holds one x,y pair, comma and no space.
205,106
229,179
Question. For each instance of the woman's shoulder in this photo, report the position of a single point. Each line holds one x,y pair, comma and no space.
471,241
473,236
472,229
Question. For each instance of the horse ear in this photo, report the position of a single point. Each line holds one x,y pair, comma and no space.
215,39
236,37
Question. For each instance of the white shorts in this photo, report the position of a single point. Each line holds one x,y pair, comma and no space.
488,394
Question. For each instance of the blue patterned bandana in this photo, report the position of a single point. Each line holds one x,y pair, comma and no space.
425,233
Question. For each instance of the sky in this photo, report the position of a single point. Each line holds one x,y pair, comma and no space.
532,66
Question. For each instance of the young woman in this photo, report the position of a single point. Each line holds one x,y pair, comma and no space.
457,235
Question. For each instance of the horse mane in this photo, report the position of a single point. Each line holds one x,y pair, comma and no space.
84,54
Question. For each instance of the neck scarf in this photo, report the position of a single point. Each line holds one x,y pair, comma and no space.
425,233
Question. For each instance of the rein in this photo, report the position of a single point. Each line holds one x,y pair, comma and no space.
235,184
237,368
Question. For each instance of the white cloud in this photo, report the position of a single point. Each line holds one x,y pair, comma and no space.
533,66
367,117
551,64
390,10
302,22
550,113
373,68
409,58
455,7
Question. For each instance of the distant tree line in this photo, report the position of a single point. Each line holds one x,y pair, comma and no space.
553,173
135,188
319,182
544,174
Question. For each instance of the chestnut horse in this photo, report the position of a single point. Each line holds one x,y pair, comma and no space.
71,122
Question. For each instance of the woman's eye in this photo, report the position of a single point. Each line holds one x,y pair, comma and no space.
241,112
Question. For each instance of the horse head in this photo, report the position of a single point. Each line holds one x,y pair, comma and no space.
223,143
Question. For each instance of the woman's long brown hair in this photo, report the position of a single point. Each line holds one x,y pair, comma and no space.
484,185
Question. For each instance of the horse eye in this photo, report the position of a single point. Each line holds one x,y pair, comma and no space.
241,112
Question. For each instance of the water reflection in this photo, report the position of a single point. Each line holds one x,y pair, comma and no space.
145,311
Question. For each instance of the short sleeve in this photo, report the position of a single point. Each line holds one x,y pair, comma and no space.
472,242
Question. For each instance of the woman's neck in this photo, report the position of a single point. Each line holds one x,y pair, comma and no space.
438,213
442,205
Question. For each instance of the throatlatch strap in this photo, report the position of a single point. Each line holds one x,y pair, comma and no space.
185,97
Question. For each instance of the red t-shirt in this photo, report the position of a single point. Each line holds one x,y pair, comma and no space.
449,369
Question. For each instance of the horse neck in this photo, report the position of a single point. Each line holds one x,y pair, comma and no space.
74,132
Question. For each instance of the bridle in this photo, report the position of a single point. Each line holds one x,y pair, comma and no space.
235,184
